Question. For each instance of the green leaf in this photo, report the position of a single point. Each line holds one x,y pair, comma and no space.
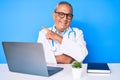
77,64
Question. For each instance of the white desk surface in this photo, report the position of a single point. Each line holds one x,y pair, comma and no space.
65,74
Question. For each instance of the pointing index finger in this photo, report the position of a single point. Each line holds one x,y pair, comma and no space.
46,29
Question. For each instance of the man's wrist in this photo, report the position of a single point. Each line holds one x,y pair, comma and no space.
59,38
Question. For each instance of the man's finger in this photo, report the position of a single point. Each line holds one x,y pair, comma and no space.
46,29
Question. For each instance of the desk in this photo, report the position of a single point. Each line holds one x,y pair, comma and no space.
65,74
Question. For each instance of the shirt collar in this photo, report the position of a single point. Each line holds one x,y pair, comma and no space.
54,30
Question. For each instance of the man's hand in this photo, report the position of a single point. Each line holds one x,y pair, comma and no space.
52,35
64,59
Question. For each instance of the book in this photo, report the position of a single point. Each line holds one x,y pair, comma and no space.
98,68
98,74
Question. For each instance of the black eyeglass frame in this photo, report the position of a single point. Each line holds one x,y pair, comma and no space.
68,16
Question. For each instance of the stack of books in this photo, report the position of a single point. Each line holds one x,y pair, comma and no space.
98,69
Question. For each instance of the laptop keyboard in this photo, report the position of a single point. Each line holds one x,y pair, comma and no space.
52,70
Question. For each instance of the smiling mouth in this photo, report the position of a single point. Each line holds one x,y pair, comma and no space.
63,22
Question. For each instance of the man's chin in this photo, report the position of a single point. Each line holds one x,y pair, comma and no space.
62,28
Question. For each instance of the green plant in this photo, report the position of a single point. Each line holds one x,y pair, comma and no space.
77,64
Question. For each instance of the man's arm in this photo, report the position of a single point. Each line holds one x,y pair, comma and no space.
50,35
64,59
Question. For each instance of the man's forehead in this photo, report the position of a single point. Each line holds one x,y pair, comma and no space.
64,7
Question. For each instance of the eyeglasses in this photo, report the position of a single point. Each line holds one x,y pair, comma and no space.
62,15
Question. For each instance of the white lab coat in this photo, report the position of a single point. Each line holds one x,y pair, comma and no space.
72,46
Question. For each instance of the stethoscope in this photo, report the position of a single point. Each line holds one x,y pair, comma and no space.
53,46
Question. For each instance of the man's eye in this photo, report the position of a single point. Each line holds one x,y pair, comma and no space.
61,13
70,15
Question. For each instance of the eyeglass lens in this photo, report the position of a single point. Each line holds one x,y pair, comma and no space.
62,15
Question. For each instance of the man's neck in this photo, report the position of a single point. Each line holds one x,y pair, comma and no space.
61,33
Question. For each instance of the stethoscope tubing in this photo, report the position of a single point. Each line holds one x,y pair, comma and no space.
72,31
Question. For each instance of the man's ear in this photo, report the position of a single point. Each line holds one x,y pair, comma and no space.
53,16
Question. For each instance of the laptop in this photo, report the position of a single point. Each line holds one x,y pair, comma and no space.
27,57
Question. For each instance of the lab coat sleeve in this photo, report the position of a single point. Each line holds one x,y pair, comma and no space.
49,56
76,49
41,36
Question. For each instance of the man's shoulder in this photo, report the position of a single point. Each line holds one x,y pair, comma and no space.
77,29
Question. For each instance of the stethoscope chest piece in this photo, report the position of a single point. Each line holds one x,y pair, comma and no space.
53,48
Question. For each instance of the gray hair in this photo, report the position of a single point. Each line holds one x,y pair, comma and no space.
64,2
